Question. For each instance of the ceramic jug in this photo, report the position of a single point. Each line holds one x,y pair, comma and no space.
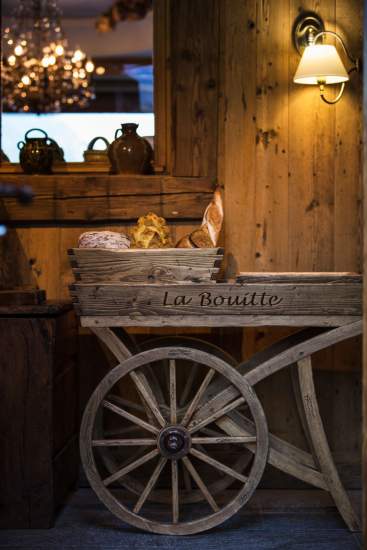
130,153
36,154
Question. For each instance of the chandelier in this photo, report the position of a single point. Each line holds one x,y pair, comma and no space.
40,73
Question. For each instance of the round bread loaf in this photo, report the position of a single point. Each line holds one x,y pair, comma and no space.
103,239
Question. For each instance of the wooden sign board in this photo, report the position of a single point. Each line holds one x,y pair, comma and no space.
188,302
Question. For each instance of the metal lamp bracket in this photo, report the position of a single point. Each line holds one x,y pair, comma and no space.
306,26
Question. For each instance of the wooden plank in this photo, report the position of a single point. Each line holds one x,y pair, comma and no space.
194,32
104,197
348,147
169,265
220,299
311,277
22,296
320,446
207,321
237,140
271,207
61,167
311,164
161,84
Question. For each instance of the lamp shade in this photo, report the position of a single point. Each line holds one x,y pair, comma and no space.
320,63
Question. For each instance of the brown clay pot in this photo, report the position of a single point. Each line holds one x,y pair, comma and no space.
36,155
130,153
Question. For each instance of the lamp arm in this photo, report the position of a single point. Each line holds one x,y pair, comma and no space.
331,101
341,41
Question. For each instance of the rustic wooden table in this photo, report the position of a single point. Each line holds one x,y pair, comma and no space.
223,409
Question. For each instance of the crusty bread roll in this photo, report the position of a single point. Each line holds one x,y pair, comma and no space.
207,235
213,217
151,231
201,238
185,242
103,239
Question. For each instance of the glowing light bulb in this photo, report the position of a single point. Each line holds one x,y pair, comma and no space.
44,61
82,73
26,108
18,50
12,60
59,50
100,70
89,66
26,80
78,55
51,60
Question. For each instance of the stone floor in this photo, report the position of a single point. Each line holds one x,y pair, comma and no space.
271,520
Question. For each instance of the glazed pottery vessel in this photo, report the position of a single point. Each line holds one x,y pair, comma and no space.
36,154
130,153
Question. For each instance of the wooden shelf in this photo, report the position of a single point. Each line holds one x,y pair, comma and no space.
107,198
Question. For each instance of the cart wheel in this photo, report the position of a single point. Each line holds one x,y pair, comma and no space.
240,457
175,444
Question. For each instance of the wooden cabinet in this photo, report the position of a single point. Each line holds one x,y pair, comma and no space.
39,458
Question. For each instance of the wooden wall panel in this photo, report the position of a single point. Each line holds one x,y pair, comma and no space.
291,170
237,138
194,42
348,148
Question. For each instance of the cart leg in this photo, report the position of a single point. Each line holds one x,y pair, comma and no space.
310,416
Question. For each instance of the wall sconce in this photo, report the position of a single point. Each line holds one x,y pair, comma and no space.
320,63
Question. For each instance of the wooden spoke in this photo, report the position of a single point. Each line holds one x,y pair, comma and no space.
125,403
147,395
175,501
215,415
172,391
199,482
126,469
152,481
123,442
218,465
194,403
131,417
222,440
188,385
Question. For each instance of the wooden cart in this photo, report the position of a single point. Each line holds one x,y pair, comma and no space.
192,451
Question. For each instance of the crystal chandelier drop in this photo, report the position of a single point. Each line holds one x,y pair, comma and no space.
40,74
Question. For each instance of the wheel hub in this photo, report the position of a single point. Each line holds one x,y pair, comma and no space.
174,442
